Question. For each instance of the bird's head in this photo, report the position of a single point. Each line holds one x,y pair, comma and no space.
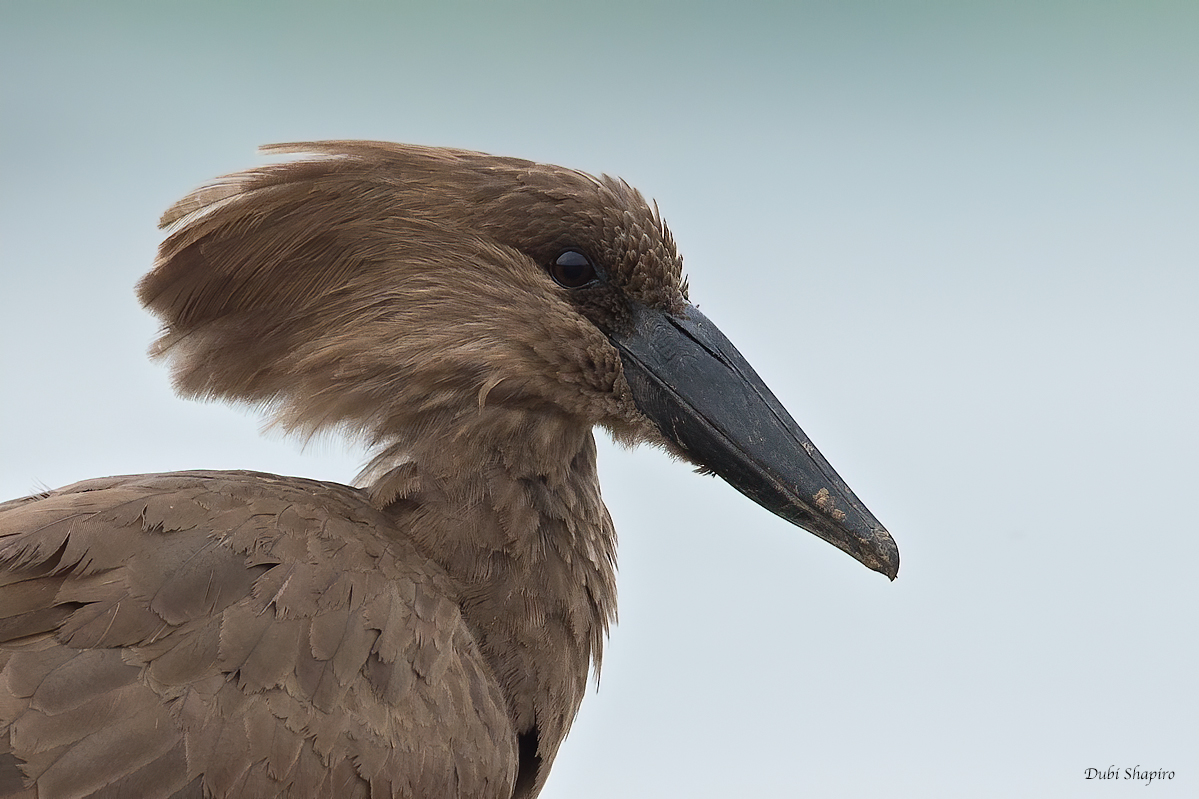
413,294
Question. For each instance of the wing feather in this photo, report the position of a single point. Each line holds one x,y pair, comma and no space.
235,634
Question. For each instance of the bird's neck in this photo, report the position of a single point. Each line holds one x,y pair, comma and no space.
511,509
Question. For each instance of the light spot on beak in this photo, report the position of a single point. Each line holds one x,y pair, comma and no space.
824,501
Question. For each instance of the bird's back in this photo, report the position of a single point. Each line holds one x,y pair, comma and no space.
251,634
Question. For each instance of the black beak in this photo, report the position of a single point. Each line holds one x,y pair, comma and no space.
703,395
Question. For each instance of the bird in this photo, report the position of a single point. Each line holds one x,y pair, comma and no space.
428,631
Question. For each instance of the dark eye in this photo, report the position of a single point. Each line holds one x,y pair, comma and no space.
572,270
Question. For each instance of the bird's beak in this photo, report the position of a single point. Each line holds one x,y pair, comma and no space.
703,395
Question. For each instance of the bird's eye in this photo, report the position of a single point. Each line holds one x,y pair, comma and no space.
572,270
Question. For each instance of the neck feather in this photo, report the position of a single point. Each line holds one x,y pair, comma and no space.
508,503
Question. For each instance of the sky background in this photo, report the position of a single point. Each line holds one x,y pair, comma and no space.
960,242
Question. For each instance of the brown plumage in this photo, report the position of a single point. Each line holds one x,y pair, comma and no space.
233,634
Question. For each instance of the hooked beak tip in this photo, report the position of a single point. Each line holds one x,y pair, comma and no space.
886,555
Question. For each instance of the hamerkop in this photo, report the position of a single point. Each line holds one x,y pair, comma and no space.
430,633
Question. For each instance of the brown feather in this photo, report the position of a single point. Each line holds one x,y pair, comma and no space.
262,636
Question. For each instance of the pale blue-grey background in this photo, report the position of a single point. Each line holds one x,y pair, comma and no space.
961,242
